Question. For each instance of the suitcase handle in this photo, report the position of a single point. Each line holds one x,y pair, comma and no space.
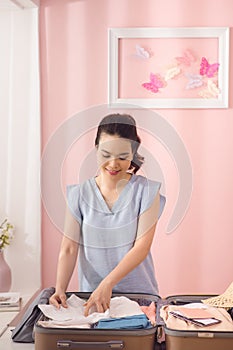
69,344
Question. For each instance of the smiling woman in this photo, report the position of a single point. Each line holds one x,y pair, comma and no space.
125,128
116,145
113,167
110,221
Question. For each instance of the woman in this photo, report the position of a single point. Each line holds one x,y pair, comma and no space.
110,221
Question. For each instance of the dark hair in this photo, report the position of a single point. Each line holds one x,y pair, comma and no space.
124,126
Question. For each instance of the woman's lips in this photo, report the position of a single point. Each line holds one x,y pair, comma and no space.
113,172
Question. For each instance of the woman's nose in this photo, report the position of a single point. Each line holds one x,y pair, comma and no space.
113,162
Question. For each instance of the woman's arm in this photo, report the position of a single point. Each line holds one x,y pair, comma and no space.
145,234
67,259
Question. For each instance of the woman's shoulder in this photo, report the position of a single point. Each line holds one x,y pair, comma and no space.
146,191
143,181
81,184
79,187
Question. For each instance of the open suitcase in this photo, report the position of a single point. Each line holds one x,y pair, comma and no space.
92,339
146,339
195,340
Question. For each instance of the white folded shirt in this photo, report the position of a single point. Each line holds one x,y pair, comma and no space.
74,314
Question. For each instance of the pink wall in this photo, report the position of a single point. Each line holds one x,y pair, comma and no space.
197,256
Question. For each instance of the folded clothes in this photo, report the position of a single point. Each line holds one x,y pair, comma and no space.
74,314
226,324
131,322
150,312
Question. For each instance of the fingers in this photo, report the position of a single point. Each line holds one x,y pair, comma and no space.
105,306
58,300
53,301
87,305
100,307
63,301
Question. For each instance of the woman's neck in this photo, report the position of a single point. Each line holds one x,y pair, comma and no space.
111,190
106,183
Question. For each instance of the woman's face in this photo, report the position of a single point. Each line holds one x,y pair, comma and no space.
114,155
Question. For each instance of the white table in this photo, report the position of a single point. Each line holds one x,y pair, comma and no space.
6,342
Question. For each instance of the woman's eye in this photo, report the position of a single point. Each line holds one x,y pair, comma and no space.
108,156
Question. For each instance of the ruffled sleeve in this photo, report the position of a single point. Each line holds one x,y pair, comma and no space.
73,197
149,192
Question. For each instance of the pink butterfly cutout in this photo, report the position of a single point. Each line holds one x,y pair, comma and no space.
186,59
156,82
208,69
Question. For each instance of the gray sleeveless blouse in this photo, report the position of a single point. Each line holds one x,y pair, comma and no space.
107,235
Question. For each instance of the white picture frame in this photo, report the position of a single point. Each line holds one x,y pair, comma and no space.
219,33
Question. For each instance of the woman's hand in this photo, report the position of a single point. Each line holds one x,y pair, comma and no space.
99,299
58,300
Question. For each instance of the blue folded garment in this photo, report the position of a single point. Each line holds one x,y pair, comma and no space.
129,322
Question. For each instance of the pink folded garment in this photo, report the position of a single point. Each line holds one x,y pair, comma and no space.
226,324
150,312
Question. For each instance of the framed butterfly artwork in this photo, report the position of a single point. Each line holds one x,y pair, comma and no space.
168,67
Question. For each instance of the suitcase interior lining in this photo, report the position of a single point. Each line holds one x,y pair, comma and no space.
141,299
